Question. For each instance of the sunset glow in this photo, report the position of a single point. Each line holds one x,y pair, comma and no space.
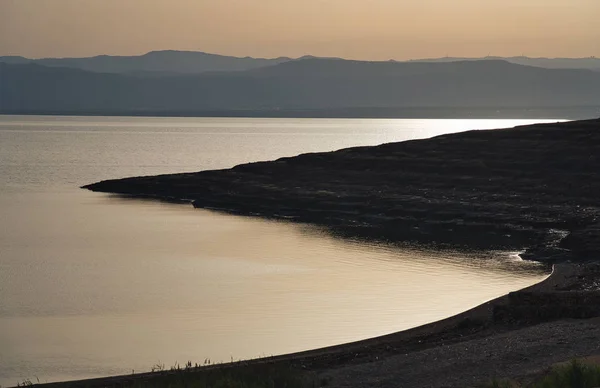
377,29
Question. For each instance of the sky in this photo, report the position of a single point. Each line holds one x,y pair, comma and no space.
357,29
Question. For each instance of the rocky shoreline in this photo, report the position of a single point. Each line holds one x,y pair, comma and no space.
534,187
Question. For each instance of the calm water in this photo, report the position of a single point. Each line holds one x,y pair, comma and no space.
93,285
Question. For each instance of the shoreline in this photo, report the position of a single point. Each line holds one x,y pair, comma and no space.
486,189
476,322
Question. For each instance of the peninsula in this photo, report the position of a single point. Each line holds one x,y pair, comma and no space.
532,187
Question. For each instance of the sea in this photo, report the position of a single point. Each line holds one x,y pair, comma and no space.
94,284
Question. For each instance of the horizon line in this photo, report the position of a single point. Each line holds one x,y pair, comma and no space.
302,56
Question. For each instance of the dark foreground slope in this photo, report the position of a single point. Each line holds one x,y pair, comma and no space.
523,187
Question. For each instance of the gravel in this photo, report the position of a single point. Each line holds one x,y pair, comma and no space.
472,363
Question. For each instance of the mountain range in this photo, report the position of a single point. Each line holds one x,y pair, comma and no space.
172,62
590,63
168,62
294,87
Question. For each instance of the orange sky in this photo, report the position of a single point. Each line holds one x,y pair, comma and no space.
361,29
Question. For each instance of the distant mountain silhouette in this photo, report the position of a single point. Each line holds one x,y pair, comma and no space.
159,62
591,63
309,84
171,62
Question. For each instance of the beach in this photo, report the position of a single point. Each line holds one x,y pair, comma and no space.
468,349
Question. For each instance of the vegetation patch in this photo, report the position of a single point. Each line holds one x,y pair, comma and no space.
227,377
576,374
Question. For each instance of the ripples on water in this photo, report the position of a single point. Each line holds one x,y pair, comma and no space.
93,284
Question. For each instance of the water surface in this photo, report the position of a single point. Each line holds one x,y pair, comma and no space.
92,284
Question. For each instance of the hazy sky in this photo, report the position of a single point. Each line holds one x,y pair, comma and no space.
362,29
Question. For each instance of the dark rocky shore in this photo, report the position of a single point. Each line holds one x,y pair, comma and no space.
533,187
